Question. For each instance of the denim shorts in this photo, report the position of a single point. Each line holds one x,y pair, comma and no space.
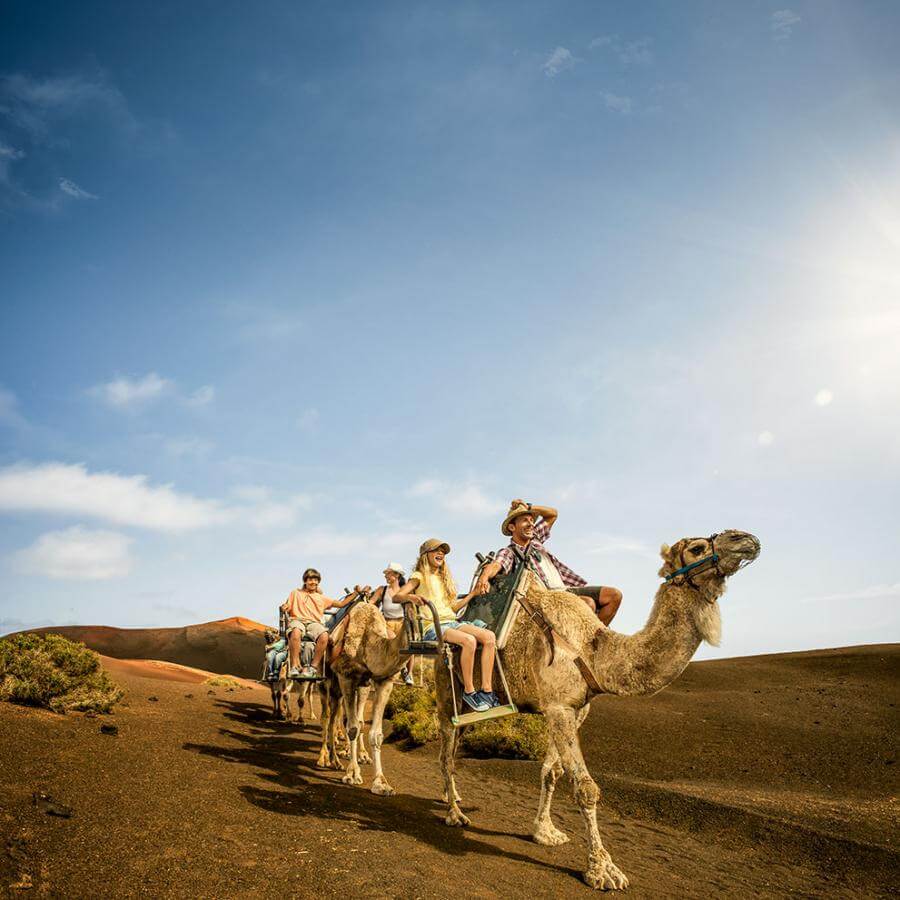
431,635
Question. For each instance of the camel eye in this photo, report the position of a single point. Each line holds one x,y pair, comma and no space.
696,550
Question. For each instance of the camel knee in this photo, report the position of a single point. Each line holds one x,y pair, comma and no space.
586,792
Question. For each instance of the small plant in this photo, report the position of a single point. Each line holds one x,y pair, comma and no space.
412,712
224,681
50,671
512,737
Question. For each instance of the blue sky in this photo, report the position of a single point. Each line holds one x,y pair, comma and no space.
292,286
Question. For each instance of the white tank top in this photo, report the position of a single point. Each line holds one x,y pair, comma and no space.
389,609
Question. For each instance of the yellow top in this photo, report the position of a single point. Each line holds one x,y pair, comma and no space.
432,588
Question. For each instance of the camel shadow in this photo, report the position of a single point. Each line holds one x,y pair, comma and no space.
301,789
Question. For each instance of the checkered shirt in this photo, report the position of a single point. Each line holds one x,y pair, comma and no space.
508,556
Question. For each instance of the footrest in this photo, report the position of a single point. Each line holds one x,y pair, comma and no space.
469,718
306,678
420,648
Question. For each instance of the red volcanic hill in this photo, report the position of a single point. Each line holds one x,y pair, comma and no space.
231,646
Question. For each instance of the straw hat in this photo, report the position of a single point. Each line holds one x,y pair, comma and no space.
434,544
515,510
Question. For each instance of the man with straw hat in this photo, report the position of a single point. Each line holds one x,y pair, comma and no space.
528,527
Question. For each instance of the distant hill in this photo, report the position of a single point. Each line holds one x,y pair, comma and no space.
231,646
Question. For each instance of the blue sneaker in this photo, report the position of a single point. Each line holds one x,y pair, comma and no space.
490,698
476,701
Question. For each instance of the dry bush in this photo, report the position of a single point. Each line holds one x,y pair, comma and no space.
412,713
48,670
225,681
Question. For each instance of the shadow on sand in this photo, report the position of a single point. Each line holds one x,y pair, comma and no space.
301,789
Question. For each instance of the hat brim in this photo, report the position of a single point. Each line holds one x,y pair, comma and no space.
520,511
442,546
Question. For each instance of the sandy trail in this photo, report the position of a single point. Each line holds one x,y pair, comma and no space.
202,794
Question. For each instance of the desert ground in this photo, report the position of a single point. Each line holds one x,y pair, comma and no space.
768,776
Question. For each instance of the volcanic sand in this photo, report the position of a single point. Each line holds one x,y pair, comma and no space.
768,776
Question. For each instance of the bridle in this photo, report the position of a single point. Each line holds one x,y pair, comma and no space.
713,559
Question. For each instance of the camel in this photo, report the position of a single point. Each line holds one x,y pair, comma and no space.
370,655
685,613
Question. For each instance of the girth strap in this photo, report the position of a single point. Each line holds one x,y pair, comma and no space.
550,634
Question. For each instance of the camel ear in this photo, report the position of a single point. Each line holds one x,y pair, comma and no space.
664,552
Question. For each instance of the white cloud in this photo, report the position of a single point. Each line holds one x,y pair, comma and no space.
129,394
629,53
7,152
616,103
309,420
126,500
202,396
782,24
77,554
612,544
126,393
462,499
330,543
558,61
823,397
765,439
73,190
264,511
873,592
9,409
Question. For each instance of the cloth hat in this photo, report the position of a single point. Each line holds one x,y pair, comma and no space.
395,567
514,513
434,544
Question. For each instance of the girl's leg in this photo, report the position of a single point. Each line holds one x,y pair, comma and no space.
466,658
488,642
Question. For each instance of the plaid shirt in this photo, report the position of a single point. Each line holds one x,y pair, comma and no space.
508,556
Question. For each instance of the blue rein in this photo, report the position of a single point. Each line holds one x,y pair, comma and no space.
685,569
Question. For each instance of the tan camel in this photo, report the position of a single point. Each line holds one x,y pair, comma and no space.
370,655
685,613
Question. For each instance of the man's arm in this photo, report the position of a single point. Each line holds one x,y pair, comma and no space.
547,513
483,585
337,604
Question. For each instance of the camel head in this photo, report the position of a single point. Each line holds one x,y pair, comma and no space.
271,635
700,567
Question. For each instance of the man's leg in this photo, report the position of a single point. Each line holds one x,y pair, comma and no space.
294,636
317,631
604,601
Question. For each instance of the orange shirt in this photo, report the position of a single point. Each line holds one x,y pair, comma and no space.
307,607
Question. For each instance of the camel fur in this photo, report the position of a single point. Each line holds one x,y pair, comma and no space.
685,613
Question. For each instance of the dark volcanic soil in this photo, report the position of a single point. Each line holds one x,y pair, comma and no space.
710,788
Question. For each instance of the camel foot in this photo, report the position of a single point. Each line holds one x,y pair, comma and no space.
456,819
456,797
352,778
365,759
344,753
606,876
549,835
381,787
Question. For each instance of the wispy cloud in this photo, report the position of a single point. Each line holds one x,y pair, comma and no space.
616,103
872,592
617,544
127,393
782,24
264,510
629,53
260,323
466,499
325,542
73,190
76,554
70,490
559,60
9,410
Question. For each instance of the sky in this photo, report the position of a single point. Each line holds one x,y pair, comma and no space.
288,285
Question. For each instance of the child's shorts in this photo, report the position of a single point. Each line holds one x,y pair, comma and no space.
431,635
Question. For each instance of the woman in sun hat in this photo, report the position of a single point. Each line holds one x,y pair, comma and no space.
431,580
383,598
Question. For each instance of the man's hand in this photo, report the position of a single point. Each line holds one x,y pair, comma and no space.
519,503
483,585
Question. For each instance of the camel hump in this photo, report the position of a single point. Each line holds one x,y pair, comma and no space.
362,617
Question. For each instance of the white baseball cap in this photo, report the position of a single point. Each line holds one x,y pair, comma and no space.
395,567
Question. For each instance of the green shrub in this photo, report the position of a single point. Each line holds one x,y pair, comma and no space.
511,737
412,712
48,670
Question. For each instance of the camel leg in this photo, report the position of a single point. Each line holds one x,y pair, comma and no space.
383,690
330,713
601,872
545,832
351,708
449,744
362,752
